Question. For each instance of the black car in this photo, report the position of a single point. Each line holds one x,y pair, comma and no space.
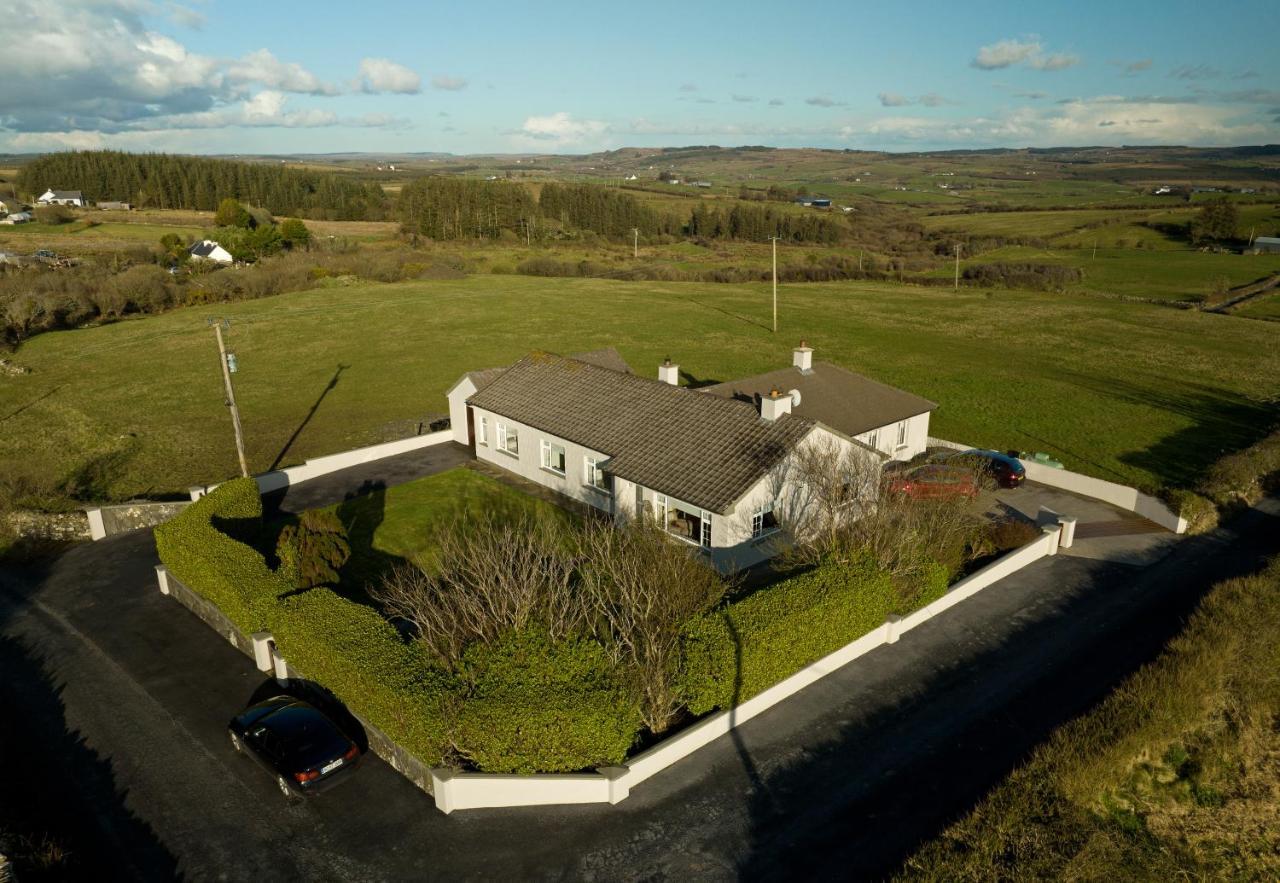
1004,470
302,748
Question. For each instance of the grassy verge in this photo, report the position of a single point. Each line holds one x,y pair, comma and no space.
1173,776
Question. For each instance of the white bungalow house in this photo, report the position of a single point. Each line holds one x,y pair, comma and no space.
208,250
62,197
712,465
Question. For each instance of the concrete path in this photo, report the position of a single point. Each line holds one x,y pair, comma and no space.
124,696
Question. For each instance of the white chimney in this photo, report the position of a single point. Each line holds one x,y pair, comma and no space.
669,373
802,358
774,405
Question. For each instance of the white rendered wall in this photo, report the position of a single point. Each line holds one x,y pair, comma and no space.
458,409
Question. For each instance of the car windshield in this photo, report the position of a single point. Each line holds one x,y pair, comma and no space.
301,729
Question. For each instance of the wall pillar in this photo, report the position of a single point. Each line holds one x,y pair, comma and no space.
891,633
1068,537
162,577
281,668
264,647
619,790
441,780
97,530
1056,533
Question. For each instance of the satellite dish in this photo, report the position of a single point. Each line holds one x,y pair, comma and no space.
795,398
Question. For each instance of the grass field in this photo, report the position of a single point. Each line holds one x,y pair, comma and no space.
1130,392
1162,274
399,524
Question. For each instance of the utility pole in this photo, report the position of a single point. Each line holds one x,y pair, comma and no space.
774,239
957,285
1252,230
231,394
636,252
1095,248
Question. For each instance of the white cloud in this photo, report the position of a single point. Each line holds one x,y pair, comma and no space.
264,68
1028,51
448,83
745,99
383,75
893,99
1006,53
823,101
562,130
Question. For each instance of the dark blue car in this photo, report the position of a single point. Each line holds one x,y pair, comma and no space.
304,750
1004,470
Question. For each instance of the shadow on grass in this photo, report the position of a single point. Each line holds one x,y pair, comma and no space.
730,314
917,742
333,382
694,382
362,512
60,805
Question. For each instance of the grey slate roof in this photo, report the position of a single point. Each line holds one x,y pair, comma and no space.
705,450
833,396
68,194
603,358
202,249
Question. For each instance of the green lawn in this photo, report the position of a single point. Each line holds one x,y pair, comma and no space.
1131,392
400,523
1163,274
1265,307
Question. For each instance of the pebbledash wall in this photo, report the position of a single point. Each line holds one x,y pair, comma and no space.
455,790
1119,495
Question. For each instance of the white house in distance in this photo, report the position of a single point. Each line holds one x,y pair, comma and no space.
62,197
208,250
711,464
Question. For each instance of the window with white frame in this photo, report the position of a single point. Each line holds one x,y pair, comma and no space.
508,439
763,521
692,525
593,475
901,441
553,457
873,438
482,431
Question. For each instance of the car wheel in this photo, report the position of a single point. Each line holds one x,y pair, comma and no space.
283,784
236,743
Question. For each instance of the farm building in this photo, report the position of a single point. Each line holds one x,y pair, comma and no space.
815,201
115,207
62,197
16,218
1265,245
208,250
712,465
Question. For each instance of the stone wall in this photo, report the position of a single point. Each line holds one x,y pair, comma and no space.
110,520
64,526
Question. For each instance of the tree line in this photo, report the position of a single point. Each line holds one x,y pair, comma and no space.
158,180
462,208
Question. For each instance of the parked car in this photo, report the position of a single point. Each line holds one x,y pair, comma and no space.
1002,469
934,481
304,750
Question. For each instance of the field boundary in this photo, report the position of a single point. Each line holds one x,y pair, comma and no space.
1119,495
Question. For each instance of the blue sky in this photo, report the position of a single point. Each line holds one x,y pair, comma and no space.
226,77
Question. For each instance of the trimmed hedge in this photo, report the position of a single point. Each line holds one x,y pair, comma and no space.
198,548
534,705
361,658
1242,478
738,651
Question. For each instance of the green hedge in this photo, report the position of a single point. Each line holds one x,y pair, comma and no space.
361,658
198,548
1241,478
738,651
538,706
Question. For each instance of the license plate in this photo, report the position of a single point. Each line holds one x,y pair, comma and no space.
331,766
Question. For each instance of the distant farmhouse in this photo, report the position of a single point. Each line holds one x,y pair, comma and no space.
814,201
16,218
1264,245
713,466
208,250
115,207
62,197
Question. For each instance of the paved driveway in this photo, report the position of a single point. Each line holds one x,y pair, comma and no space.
125,694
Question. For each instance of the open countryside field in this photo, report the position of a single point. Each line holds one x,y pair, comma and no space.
1130,392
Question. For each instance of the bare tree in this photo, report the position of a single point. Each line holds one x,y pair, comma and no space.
644,588
837,504
485,577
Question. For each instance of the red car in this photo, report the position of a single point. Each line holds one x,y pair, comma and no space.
935,481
